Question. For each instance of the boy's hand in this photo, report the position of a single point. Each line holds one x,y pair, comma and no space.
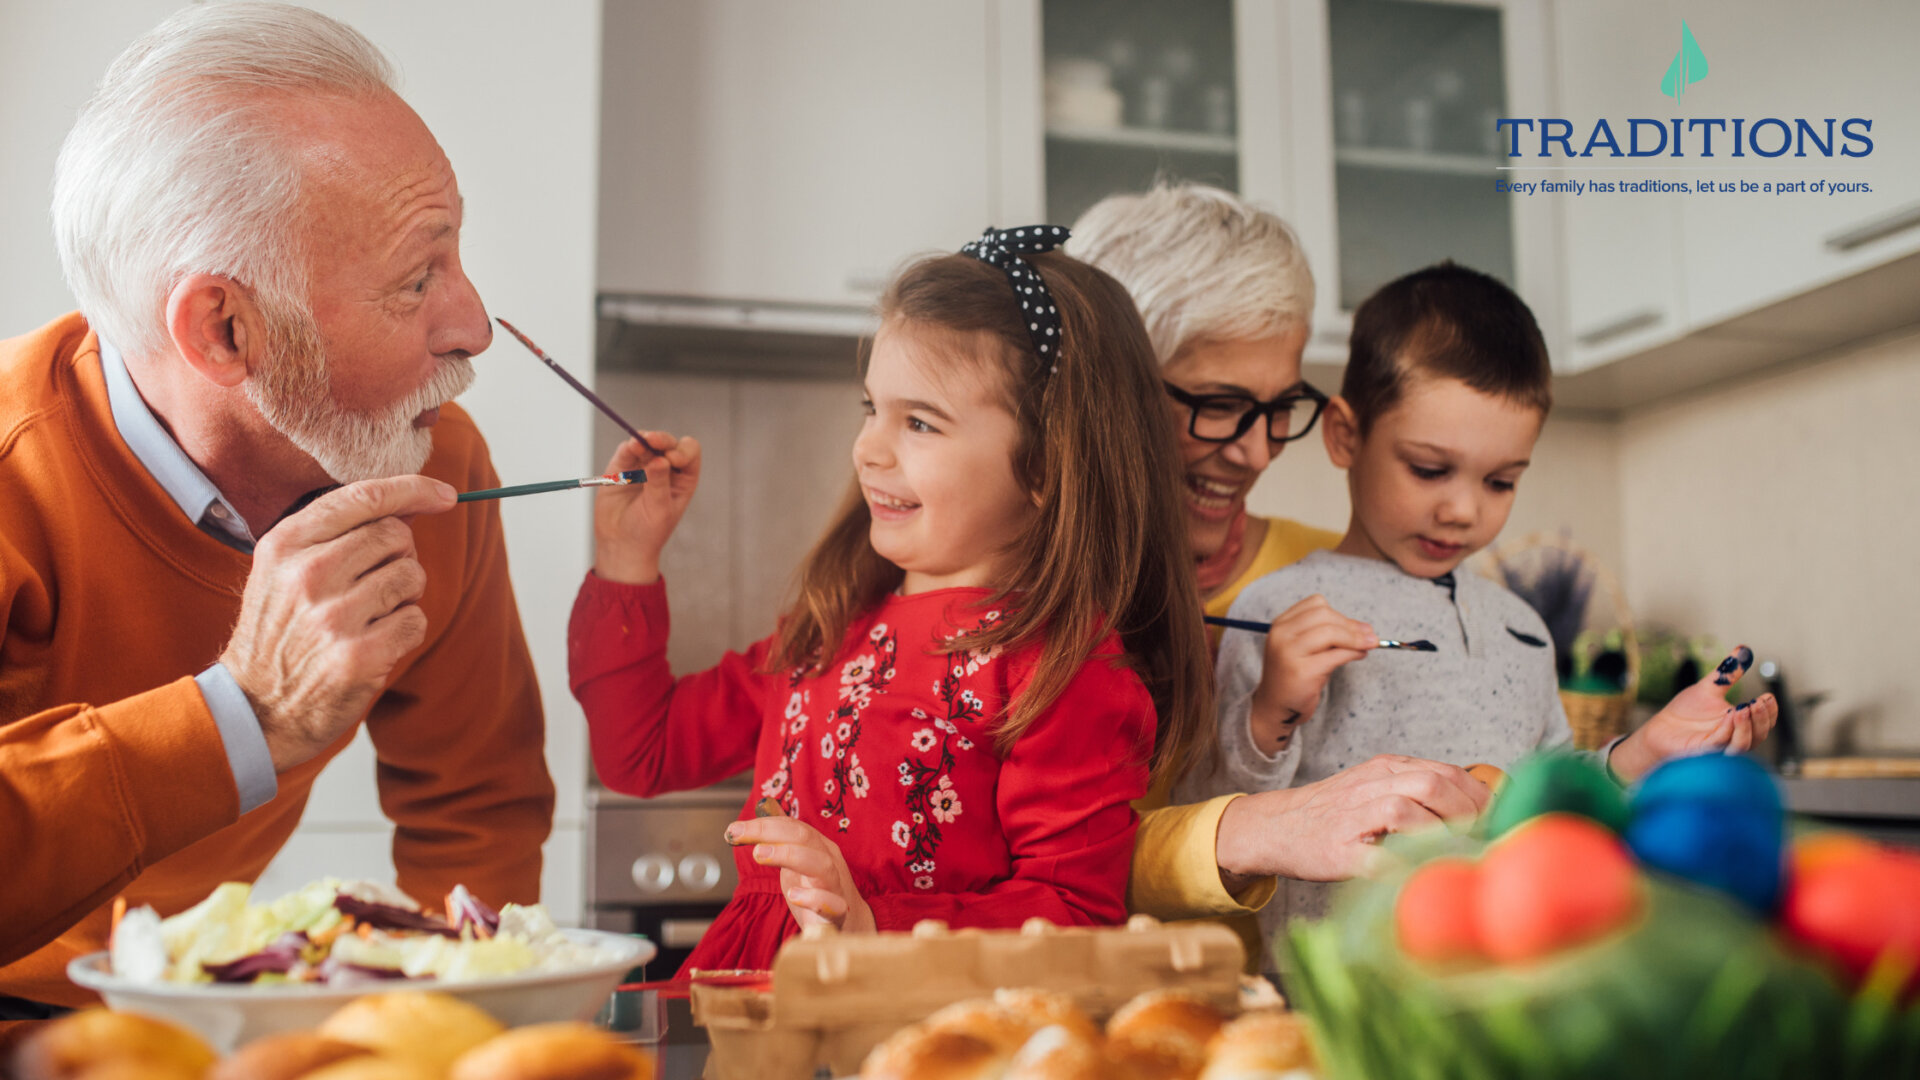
1308,641
814,877
1698,721
631,522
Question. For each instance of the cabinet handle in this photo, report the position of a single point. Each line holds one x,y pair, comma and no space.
1625,324
1866,233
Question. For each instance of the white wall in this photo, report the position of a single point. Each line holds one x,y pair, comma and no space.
512,92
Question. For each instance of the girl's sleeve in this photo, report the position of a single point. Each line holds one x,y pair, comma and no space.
1064,799
651,732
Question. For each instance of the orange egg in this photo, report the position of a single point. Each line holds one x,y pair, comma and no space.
1436,911
1819,850
1857,908
1553,882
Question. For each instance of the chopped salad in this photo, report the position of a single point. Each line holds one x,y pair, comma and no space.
339,934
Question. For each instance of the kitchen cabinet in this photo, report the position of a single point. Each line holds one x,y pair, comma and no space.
1365,123
790,152
1622,255
1671,292
1780,59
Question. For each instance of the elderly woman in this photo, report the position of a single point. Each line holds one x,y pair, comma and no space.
1228,300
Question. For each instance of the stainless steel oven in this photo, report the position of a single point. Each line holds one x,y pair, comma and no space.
660,867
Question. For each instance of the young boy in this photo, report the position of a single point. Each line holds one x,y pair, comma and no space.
1446,389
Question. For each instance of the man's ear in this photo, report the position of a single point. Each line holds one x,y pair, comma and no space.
216,328
1340,430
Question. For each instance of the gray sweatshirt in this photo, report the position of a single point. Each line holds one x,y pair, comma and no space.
1489,695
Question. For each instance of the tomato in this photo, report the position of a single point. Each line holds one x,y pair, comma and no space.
1553,882
1437,909
1856,907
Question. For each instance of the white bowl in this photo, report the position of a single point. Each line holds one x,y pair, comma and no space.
228,1015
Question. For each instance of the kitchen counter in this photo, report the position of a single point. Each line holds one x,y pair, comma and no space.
1883,808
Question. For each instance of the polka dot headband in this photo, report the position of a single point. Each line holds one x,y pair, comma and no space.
1003,248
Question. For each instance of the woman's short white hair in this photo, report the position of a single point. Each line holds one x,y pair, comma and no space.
1202,264
177,165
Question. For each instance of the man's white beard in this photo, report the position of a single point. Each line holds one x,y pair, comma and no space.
294,394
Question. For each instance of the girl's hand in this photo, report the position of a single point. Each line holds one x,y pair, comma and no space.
1698,721
631,522
813,874
1307,643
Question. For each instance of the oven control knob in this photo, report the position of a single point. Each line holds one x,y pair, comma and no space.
700,871
653,873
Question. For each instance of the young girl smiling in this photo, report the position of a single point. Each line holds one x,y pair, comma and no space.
957,709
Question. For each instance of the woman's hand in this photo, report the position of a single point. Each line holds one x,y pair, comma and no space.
1306,644
631,522
813,874
1698,721
1327,830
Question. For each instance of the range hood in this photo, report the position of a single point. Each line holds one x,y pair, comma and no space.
684,335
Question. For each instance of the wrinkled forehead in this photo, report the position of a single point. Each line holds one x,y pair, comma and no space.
372,173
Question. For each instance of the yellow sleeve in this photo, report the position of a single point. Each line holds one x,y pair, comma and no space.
1175,872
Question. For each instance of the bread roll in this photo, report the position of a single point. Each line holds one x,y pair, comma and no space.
1045,1007
285,1057
1260,1044
1003,1029
124,1069
1058,1053
374,1067
564,1051
1157,1055
923,1053
427,1028
77,1042
1177,1013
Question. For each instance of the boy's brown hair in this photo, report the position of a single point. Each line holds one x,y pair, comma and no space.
1447,321
1108,550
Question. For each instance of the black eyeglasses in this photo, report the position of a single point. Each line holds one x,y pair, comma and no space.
1223,418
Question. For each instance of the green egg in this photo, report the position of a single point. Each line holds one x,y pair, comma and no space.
1556,780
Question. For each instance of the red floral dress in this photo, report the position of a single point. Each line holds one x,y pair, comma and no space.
889,752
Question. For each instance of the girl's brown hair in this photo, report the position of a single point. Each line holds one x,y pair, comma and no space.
1108,550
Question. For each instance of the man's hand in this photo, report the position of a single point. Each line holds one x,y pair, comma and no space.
1307,643
329,608
1326,830
813,873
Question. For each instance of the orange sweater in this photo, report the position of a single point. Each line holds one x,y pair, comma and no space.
113,778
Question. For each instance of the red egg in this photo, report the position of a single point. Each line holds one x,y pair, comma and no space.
1554,882
1856,907
1436,912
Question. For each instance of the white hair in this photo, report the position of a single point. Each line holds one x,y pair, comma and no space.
1201,263
180,163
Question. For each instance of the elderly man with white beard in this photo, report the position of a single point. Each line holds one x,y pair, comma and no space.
228,533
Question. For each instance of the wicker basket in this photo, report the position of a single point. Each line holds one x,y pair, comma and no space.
1596,719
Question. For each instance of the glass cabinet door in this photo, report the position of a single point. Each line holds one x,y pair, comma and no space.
1136,90
1416,88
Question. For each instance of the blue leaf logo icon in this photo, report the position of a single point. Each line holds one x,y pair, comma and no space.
1689,65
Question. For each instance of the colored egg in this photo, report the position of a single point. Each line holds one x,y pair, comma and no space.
1553,882
1713,778
1563,782
1815,851
1736,850
1436,911
1854,910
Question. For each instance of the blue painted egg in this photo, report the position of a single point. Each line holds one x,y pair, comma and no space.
1710,778
1736,850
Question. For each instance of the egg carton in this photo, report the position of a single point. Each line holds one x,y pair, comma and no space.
833,997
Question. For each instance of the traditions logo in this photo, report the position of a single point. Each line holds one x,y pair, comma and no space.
1689,65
